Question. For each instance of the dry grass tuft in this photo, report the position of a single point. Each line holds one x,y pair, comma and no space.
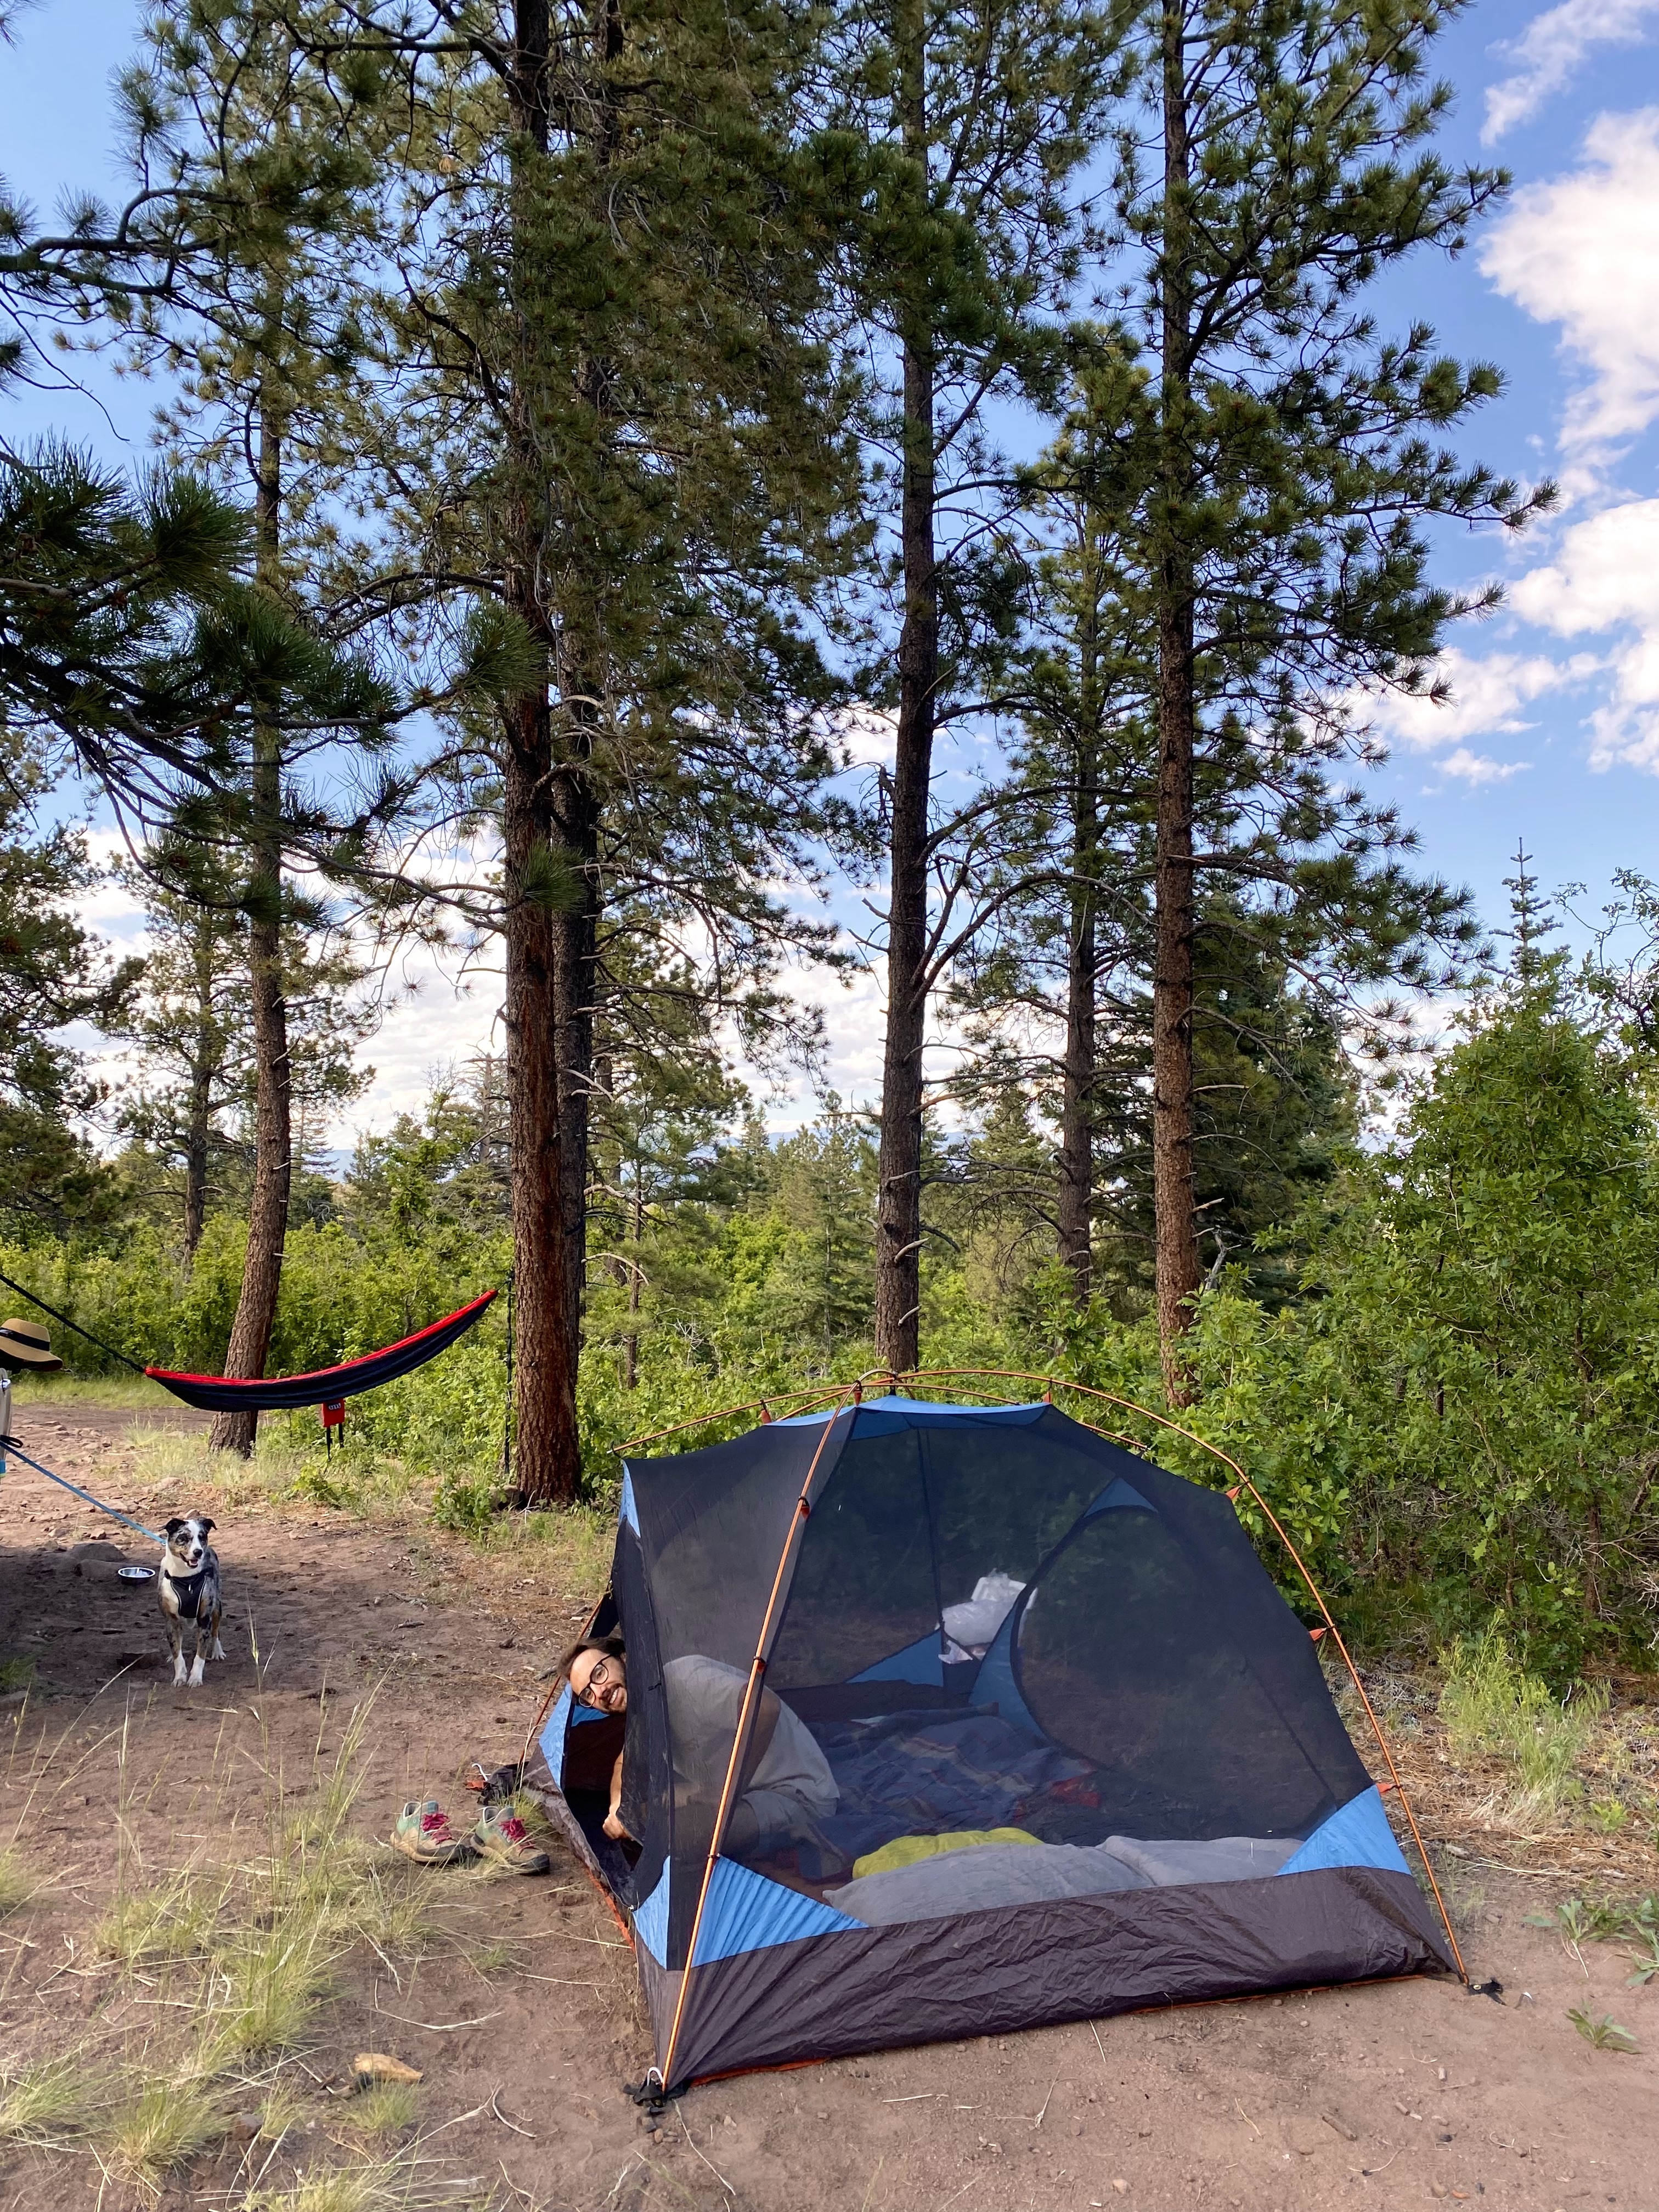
390,2108
1492,1706
52,2104
166,2121
369,2186
144,1928
18,1879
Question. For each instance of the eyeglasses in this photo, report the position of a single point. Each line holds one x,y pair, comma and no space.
603,1675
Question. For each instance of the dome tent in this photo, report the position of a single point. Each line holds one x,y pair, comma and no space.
1138,1790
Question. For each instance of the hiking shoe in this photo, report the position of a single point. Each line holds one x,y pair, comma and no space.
423,1834
501,1835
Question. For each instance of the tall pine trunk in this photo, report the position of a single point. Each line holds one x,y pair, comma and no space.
1077,1194
267,1226
577,807
544,1393
575,828
205,1059
1176,1226
898,1206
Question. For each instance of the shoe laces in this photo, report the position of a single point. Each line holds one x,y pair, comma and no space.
513,1828
436,1824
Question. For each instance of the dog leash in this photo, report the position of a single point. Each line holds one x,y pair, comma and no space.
8,1449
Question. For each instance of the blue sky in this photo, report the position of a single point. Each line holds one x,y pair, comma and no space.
1553,732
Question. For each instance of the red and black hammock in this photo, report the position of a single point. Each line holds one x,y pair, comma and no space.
324,1386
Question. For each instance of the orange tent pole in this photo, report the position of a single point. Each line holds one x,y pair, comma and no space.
745,1717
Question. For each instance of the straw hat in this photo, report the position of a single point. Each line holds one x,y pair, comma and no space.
24,1345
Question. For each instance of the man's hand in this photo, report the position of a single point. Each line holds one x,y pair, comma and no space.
614,1828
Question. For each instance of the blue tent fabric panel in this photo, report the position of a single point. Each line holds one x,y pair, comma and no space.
878,1417
651,1920
744,1911
553,1734
1119,1497
1356,1834
994,1683
627,1509
918,1662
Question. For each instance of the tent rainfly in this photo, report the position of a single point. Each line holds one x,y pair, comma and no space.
952,1720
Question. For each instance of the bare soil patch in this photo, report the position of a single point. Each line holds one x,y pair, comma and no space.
521,2013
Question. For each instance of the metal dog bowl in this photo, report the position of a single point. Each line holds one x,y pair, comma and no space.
135,1574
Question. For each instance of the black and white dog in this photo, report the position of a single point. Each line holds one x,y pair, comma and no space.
189,1588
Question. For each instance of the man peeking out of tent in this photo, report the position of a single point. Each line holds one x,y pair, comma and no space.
786,1785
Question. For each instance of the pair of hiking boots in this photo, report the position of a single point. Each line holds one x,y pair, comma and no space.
423,1833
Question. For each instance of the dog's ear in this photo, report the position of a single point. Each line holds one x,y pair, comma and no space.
172,1528
207,1524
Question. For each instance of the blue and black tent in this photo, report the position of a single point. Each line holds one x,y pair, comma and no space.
950,1719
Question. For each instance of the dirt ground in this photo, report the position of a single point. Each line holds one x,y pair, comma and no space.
1392,2095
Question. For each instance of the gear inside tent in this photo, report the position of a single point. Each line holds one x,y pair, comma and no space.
951,1720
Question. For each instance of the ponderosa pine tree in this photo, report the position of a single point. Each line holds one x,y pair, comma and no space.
985,110
1289,464
259,332
612,415
194,1101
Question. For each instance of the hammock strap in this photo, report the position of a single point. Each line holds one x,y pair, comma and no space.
35,1301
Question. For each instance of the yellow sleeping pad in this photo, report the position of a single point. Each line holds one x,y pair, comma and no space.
905,1850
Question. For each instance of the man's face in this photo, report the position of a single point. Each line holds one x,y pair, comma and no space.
599,1680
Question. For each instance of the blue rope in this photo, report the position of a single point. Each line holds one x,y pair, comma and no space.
9,1447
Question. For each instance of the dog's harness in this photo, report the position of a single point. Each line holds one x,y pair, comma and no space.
187,1591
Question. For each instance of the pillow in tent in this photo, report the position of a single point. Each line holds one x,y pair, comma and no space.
977,1881
909,1850
1228,1858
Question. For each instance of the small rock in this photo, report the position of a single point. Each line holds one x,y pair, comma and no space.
1436,2188
1076,2127
1120,2184
726,2120
381,2066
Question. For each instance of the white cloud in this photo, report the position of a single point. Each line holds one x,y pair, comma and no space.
1605,577
870,735
1484,699
1584,252
1549,53
1476,768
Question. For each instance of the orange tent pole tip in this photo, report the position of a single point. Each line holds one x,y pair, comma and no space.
1316,1633
1233,1493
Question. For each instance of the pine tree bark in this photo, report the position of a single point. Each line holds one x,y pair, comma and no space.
1175,1220
898,1205
1076,1209
577,812
203,1066
267,1226
575,830
544,1395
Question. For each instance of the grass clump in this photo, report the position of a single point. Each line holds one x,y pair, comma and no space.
370,2186
274,1982
151,1927
15,1675
388,2108
18,1879
52,2104
166,2122
1493,1707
